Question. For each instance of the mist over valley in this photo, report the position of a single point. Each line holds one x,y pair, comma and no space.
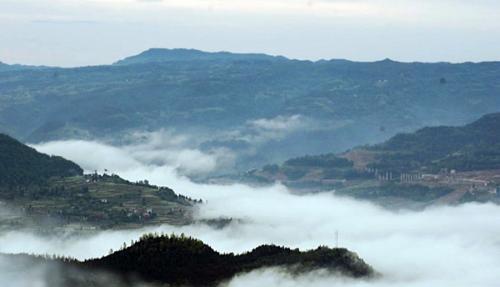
236,143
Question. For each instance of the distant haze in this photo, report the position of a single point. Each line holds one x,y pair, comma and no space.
84,32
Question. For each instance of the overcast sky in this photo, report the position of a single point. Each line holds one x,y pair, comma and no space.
89,32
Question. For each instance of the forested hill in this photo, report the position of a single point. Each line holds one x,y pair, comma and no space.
261,108
189,262
451,164
51,191
475,146
182,261
21,165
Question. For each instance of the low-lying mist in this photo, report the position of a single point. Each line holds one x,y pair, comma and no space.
440,246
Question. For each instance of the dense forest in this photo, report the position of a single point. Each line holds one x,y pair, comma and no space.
184,261
187,261
21,165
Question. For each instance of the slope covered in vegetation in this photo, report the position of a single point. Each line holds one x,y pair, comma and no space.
187,261
21,165
54,191
457,159
475,146
183,261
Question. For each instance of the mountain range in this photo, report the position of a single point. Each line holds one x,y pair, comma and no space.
261,108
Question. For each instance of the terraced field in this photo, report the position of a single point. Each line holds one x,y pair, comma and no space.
98,201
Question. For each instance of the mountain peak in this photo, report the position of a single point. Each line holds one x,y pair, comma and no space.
387,61
158,55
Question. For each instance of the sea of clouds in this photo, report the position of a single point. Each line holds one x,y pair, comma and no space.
440,246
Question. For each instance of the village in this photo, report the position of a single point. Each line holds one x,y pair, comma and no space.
93,202
476,183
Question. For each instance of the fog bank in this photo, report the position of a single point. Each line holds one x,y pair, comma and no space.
441,246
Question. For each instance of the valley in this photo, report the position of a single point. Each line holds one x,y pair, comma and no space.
44,197
249,143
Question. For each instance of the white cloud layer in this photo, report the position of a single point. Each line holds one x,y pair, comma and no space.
279,123
442,246
159,149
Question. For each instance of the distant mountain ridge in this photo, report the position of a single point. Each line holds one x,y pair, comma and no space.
158,55
4,67
264,111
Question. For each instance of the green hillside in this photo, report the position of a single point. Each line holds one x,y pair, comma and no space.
21,165
464,160
50,192
475,146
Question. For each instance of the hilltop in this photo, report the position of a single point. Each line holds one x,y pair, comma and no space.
261,108
441,164
184,261
187,261
157,55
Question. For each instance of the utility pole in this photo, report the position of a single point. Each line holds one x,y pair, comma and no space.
336,239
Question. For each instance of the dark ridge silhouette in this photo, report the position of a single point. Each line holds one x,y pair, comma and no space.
182,260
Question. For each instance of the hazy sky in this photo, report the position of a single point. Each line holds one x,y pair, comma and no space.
88,32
